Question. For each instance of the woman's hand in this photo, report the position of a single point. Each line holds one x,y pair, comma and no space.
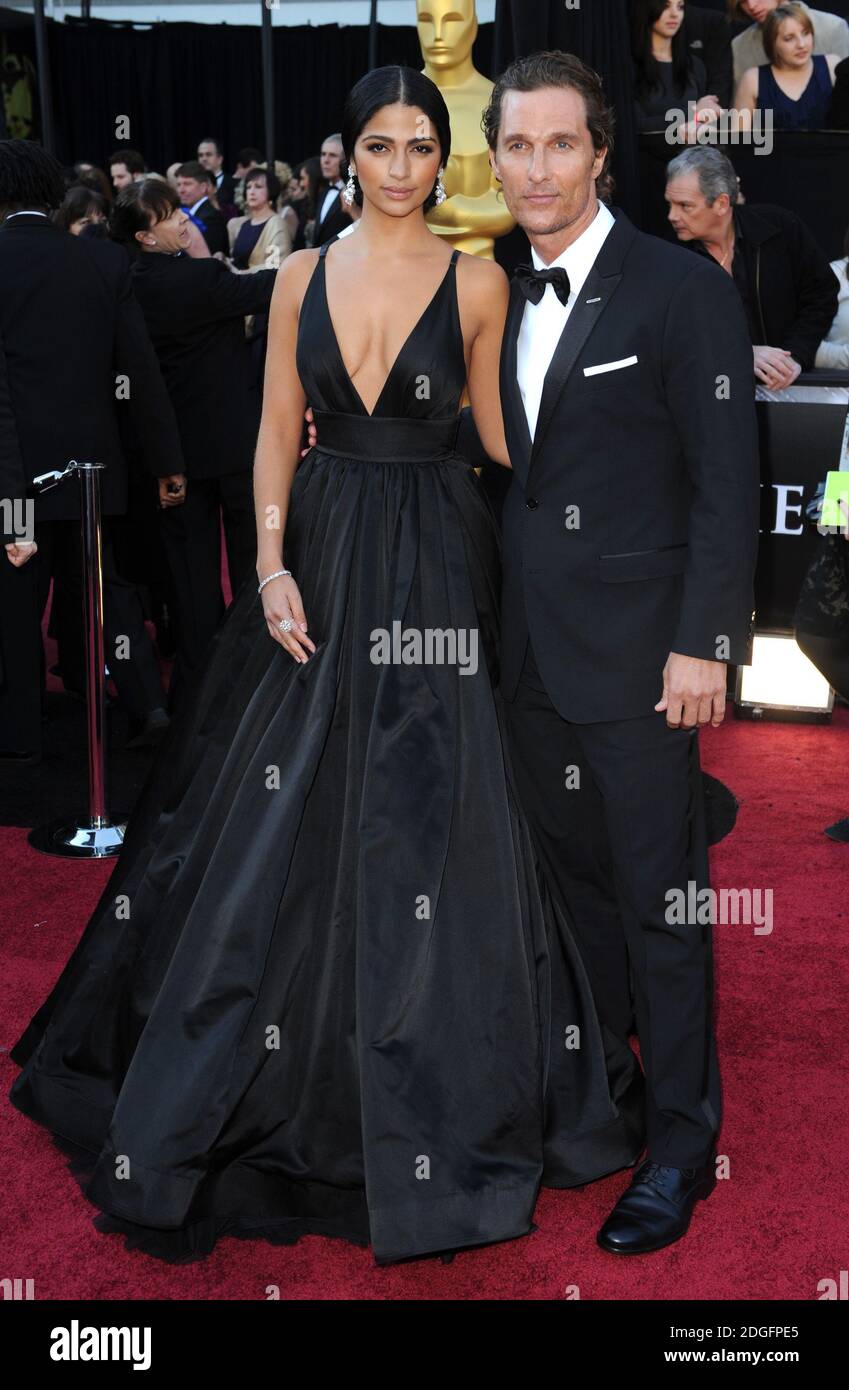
281,600
172,490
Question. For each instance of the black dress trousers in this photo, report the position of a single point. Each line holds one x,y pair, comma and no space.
191,535
617,813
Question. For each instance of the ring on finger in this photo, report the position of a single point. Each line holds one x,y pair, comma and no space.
287,625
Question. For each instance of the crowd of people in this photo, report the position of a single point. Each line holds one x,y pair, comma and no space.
203,246
204,240
791,63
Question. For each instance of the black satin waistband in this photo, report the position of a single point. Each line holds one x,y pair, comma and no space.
378,438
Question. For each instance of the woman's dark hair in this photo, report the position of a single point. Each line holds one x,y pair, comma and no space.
647,78
386,87
79,201
270,179
312,168
558,69
248,156
138,207
95,178
29,177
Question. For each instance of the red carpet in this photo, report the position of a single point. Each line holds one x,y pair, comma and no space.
773,1230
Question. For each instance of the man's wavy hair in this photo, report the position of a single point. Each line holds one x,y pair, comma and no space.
558,69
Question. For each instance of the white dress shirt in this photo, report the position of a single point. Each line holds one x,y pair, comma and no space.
543,324
329,199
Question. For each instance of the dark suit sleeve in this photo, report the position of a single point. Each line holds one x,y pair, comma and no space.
227,295
12,476
152,413
838,116
817,292
715,33
709,382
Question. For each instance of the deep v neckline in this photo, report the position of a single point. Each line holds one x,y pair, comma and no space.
370,414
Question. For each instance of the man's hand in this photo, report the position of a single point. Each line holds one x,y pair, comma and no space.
312,432
775,367
693,692
172,490
20,551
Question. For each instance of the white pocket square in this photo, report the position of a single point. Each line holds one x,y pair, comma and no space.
610,366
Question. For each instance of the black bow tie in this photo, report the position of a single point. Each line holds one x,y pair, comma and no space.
533,282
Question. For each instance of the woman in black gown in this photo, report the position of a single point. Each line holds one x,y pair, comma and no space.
324,990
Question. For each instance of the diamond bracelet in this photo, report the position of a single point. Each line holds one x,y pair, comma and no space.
269,577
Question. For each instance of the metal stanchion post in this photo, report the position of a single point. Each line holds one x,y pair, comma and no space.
94,836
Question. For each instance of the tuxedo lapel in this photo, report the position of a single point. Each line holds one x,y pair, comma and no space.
599,289
512,405
596,293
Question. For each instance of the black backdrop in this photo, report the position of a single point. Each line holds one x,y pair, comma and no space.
179,82
599,33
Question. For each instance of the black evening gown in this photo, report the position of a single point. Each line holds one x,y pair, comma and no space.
325,990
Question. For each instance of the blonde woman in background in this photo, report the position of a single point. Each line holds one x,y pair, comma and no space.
261,239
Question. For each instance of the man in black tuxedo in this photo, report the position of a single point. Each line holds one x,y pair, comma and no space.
211,156
195,314
194,185
69,324
331,214
630,535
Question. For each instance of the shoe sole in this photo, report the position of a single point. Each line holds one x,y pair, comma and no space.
649,1249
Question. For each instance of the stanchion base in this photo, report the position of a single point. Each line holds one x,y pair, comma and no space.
83,839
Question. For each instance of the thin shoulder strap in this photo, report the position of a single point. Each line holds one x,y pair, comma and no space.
455,256
323,250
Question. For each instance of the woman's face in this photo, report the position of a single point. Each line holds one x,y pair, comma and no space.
92,216
170,235
670,19
256,194
397,159
792,45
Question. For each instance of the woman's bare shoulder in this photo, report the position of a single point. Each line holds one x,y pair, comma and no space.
483,287
294,275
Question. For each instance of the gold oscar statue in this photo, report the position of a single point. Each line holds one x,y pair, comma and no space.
473,214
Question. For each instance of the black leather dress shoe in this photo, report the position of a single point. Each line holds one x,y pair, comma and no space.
656,1209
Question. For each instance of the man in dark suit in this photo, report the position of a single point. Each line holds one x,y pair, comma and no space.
211,156
194,185
195,314
630,534
788,289
69,324
331,213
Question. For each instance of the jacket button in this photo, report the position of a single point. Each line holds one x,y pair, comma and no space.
532,504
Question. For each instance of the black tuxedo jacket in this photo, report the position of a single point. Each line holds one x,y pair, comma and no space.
631,523
69,322
214,227
195,314
336,220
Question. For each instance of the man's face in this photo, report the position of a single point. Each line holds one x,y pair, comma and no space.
331,160
690,215
209,157
545,158
121,176
757,9
190,191
447,30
